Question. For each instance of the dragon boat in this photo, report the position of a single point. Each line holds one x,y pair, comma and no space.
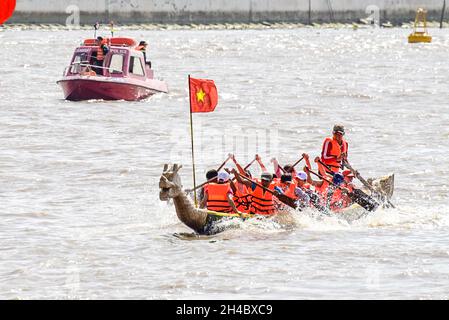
203,221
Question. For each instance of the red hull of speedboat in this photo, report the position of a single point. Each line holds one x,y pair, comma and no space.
111,89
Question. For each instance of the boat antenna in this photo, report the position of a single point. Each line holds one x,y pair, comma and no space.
112,28
96,27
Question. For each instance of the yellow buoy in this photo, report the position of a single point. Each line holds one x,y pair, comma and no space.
419,33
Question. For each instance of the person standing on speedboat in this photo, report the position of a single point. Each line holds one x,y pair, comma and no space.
102,51
143,48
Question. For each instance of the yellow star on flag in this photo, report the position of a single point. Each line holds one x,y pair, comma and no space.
200,95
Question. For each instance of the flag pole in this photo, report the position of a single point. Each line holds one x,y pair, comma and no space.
193,153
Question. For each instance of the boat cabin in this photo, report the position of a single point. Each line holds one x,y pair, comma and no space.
122,60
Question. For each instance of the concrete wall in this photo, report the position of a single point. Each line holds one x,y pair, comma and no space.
214,11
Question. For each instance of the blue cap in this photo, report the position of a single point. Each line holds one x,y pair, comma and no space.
338,178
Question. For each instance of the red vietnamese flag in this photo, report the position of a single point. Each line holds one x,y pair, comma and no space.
203,95
6,9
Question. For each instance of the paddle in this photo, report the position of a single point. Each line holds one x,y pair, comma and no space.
323,178
293,165
357,196
224,162
366,184
296,163
225,214
244,169
327,167
275,162
210,180
249,164
201,185
282,197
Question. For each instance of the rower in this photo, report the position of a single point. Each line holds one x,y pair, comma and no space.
341,199
211,174
334,193
335,149
242,198
218,196
303,191
286,186
321,186
261,200
301,181
349,178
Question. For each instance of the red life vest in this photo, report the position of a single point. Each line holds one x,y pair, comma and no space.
335,152
217,197
261,200
341,200
322,192
242,198
336,201
100,55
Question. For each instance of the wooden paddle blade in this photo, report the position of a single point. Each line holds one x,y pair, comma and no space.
364,200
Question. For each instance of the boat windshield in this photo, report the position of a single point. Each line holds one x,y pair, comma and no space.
80,58
116,64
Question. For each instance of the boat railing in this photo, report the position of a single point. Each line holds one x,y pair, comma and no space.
88,67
